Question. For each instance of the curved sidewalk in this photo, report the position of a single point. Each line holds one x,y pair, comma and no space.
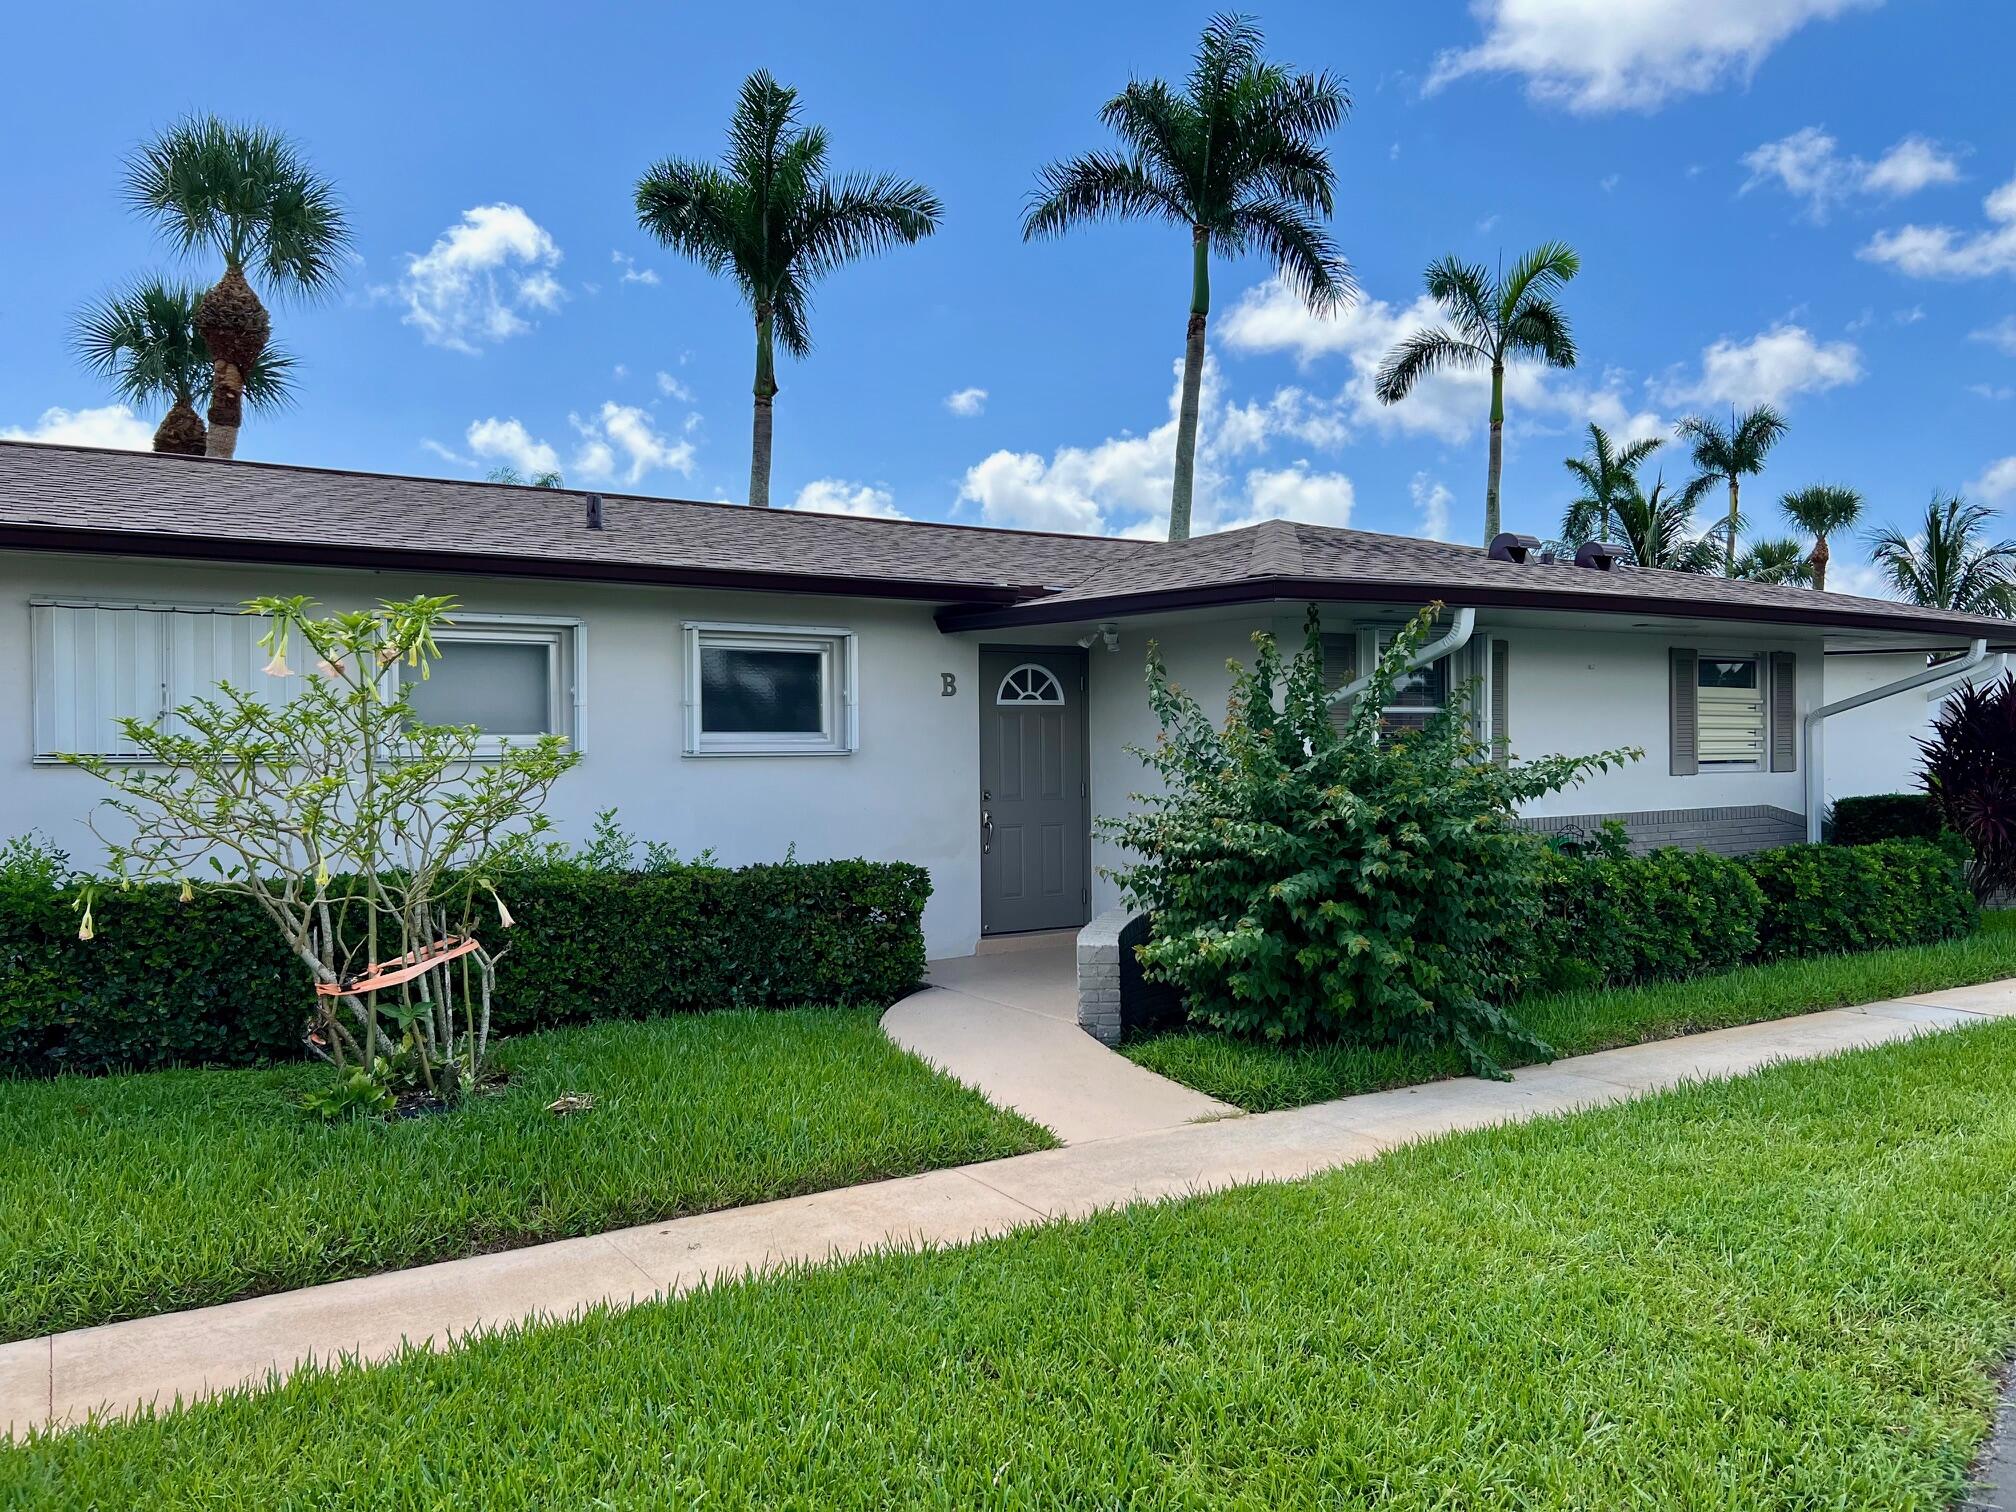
122,1366
1007,1023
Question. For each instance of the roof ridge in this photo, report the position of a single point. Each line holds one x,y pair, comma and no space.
1277,550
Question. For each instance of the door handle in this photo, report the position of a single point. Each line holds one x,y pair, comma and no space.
986,832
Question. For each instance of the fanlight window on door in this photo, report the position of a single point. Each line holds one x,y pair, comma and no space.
1030,684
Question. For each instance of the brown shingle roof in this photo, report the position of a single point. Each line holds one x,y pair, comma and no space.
79,499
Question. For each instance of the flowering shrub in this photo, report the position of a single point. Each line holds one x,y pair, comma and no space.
1307,883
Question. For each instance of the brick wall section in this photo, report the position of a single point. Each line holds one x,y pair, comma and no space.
1726,831
1099,975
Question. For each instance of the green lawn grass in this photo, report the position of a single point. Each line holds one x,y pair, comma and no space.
1782,1291
122,1196
1261,1077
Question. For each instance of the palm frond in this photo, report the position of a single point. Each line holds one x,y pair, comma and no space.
1230,46
1419,355
1781,560
1302,252
1535,275
691,208
1539,328
861,216
1161,127
1464,291
1100,186
1823,509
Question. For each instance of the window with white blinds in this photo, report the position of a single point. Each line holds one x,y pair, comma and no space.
97,663
1730,704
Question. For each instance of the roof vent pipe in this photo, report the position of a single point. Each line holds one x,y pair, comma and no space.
1598,556
594,503
1510,546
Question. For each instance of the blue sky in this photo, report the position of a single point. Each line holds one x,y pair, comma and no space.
1817,207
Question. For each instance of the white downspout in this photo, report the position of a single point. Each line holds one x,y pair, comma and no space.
1816,792
1457,638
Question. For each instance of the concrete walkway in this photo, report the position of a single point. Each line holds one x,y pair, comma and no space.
1007,1023
193,1354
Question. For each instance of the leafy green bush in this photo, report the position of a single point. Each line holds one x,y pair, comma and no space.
1608,920
1822,899
210,981
1886,816
1302,882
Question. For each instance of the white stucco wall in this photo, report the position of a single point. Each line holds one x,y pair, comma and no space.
1874,749
907,793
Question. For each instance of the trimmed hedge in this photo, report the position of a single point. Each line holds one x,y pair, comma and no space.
209,982
1609,920
1824,899
1886,816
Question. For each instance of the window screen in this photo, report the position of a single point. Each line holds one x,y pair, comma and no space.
503,687
750,691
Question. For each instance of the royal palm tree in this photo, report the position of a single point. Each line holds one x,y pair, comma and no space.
1493,319
144,340
770,218
1783,560
1607,473
1236,157
1731,454
1950,563
1822,510
1658,527
246,195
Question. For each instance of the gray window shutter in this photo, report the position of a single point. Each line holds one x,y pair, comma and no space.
1340,665
1784,712
1501,702
1684,711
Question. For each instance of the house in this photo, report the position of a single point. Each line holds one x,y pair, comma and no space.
748,680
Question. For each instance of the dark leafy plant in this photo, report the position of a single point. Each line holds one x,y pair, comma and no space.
1829,899
1305,883
1608,919
1886,816
1970,772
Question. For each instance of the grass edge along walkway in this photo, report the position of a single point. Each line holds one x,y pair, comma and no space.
1783,1290
1262,1077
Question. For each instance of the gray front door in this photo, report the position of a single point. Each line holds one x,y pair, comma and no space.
1035,823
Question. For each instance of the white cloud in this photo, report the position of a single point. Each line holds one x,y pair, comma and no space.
631,272
1450,406
1122,484
1431,507
1943,252
1863,579
1997,392
839,496
1769,368
672,388
2001,335
622,436
966,402
113,426
445,453
1809,165
1599,55
472,284
508,442
1997,483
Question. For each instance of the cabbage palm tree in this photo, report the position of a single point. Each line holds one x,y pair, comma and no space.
1783,560
1658,527
1493,319
144,340
1607,474
770,218
246,195
1822,510
1950,563
1731,454
1236,157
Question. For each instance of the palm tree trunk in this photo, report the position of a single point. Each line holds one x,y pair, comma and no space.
1193,384
1818,561
227,410
766,391
234,327
181,431
1729,550
1496,463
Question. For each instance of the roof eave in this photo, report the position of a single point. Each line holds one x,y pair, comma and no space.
388,559
1417,591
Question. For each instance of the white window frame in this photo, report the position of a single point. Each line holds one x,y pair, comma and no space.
1374,645
1703,767
840,720
566,643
